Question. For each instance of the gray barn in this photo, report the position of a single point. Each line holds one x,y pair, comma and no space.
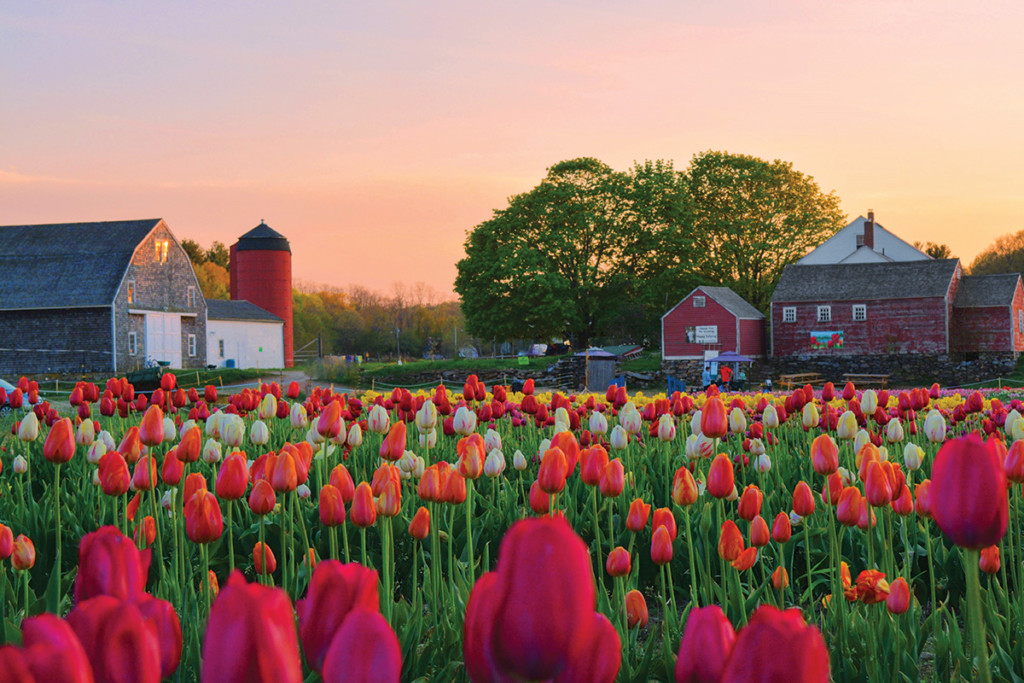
97,297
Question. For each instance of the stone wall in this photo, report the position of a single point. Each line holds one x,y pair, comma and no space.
55,341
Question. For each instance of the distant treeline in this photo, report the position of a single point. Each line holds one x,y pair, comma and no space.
353,320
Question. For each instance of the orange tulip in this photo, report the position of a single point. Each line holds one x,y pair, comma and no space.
759,533
684,488
114,476
282,471
262,498
263,559
898,601
782,528
332,507
613,479
780,578
746,560
148,529
151,429
593,461
553,471
750,502
730,542
637,518
194,482
636,609
664,517
989,561
364,512
455,489
144,477
429,488
233,477
619,562
419,527
203,520
824,455
382,475
389,504
393,445
803,500
23,553
191,445
848,508
342,480
6,542
872,586
714,421
661,546
876,487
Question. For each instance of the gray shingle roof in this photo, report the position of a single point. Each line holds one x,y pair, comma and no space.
986,290
865,281
64,265
227,309
733,302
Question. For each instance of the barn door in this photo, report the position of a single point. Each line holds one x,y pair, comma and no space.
163,338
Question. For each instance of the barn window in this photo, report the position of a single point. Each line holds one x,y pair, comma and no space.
131,291
699,301
220,347
1020,321
824,314
860,312
161,250
789,314
131,343
191,345
191,296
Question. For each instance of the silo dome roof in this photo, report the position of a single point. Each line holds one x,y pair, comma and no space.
263,238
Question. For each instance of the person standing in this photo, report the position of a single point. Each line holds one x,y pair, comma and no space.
726,372
705,377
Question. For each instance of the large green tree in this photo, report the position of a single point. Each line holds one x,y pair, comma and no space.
1005,255
565,258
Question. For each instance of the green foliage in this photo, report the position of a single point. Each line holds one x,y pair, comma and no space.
195,251
936,251
219,254
1005,255
594,253
751,218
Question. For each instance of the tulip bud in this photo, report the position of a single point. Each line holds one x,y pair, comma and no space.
913,456
636,609
494,465
28,429
259,434
23,553
598,423
86,433
355,436
989,561
770,417
619,562
211,452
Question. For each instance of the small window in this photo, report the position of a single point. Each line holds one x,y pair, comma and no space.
860,312
789,314
220,347
1020,321
161,250
824,314
699,301
191,345
860,240
191,296
131,343
131,291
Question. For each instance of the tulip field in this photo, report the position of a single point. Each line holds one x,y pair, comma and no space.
484,535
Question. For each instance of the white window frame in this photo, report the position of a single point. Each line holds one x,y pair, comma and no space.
190,295
191,346
862,309
824,314
133,347
1020,320
789,314
220,347
700,301
131,291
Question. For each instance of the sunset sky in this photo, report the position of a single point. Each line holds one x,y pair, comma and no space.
375,134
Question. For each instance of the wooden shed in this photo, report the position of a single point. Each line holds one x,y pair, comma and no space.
709,321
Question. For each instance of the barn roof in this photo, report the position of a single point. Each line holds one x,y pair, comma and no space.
231,309
66,265
866,281
732,302
976,291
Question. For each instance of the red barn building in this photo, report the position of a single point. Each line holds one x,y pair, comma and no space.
709,321
261,273
902,318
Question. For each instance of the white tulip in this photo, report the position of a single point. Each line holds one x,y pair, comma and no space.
259,433
598,423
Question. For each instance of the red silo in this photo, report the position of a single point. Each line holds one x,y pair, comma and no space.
261,273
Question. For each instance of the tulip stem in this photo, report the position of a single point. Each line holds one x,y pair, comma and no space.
931,566
597,535
156,526
56,500
3,605
807,556
362,534
207,590
469,529
263,566
24,582
978,636
334,542
231,539
284,544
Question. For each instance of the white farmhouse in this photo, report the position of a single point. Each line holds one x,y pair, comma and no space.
243,335
863,241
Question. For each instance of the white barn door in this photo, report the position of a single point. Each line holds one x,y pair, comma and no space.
163,338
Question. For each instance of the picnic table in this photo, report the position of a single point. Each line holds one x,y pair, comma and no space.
798,379
877,380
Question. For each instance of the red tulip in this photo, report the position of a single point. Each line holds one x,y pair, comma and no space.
389,503
780,578
364,650
721,479
540,502
115,479
335,590
898,601
602,643
60,442
161,615
332,507
23,553
328,425
282,471
714,421
777,645
661,546
110,564
705,647
233,477
824,455
250,636
120,643
745,560
6,542
262,498
613,479
730,542
191,445
52,651
684,488
803,500
144,477
636,609
593,461
759,533
848,508
455,488
975,515
619,562
393,445
553,471
782,528
203,520
876,486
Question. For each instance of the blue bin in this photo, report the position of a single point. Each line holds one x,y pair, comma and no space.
229,363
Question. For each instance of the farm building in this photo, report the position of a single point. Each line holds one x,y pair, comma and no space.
106,296
243,335
261,273
863,241
898,317
709,321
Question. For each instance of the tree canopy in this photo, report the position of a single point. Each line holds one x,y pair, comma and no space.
1005,255
936,251
596,253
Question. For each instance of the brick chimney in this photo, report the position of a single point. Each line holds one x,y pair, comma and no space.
869,230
